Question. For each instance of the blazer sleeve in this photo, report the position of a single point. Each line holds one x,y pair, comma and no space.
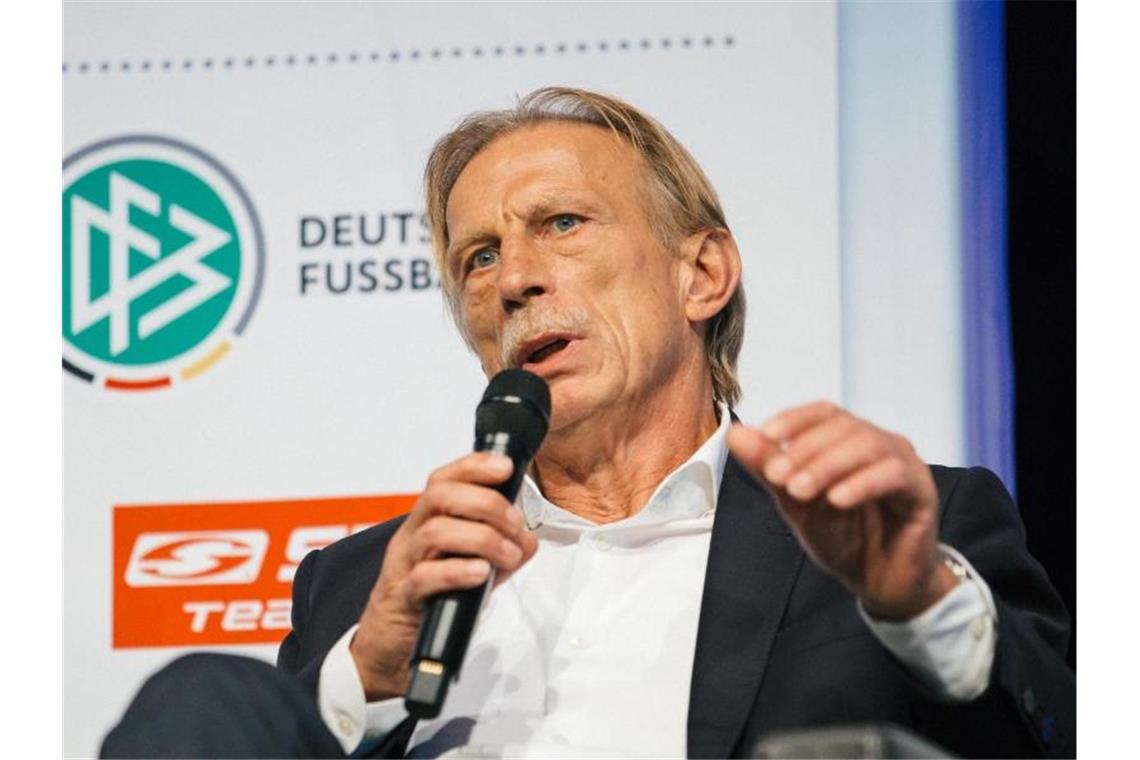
330,589
289,654
1030,705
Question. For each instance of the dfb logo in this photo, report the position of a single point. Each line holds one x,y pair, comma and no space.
197,558
163,258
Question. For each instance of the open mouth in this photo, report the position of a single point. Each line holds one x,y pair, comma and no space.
547,350
543,350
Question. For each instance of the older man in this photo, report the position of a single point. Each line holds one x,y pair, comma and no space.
652,595
655,601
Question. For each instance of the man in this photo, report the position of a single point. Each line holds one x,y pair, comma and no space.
652,594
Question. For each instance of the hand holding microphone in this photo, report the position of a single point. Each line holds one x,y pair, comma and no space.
463,533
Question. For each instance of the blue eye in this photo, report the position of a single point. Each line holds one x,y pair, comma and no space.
484,258
565,222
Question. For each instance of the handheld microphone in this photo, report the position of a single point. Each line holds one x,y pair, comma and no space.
512,419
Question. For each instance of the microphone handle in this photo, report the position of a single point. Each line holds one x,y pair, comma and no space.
449,618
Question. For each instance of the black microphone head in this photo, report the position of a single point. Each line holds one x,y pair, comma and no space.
515,402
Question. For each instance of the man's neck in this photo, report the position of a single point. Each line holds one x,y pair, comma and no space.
607,469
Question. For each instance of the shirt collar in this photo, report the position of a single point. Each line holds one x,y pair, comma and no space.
688,492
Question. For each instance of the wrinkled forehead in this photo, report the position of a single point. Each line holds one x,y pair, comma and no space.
544,158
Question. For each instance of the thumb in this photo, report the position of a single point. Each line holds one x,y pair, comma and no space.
752,449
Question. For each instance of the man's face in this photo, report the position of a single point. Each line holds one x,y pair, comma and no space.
557,269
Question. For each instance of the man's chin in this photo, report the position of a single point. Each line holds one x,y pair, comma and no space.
572,407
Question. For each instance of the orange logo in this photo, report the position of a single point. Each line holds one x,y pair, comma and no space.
195,574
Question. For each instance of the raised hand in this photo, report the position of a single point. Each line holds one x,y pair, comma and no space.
459,528
860,501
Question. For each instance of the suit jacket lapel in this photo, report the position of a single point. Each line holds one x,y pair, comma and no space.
753,562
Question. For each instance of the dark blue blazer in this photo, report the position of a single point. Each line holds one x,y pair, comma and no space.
780,644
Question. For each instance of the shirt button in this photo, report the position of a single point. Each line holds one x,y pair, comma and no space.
578,642
601,542
978,628
345,724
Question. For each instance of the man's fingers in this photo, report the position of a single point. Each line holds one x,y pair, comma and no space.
886,476
807,446
470,502
442,535
480,468
788,424
833,459
750,447
434,577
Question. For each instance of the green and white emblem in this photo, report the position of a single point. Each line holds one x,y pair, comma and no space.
163,260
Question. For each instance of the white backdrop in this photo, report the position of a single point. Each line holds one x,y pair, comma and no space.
325,110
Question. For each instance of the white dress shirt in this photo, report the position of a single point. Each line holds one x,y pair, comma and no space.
588,648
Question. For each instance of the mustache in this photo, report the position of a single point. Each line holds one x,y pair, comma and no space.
527,323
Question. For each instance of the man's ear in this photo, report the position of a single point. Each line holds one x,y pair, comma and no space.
713,272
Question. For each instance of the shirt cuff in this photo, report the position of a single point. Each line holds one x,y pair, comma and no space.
950,646
340,697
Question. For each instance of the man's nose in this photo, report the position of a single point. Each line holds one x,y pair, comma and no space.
523,273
